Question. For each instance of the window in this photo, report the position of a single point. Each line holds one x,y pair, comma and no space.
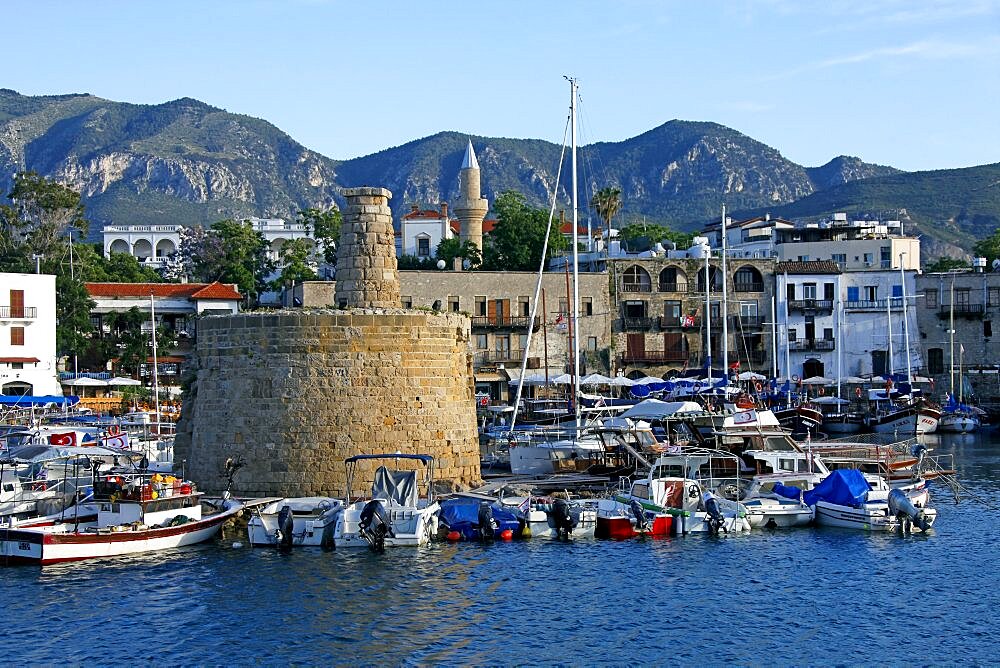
592,343
16,365
993,296
453,304
803,258
407,302
17,303
481,306
962,297
886,257
828,333
523,307
636,279
987,328
522,340
672,311
563,307
871,293
423,247
935,360
587,308
931,298
840,259
853,293
482,343
792,335
635,309
869,259
828,290
17,336
809,291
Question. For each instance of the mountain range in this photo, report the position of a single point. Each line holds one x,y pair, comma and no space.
187,162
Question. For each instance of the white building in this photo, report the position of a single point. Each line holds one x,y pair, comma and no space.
421,230
28,335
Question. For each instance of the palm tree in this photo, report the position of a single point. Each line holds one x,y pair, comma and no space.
607,202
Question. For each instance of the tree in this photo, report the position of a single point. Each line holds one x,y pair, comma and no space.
607,202
230,252
945,263
989,247
449,249
655,233
127,341
91,265
39,221
325,228
295,263
515,244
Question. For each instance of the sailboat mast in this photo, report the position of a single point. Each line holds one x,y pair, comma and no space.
951,330
888,316
774,340
708,319
839,322
156,378
724,309
906,326
576,258
788,354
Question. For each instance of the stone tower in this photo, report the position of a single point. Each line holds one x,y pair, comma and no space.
367,276
471,207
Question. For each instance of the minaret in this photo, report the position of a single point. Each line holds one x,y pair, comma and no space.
471,207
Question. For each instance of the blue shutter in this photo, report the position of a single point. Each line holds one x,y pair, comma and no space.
897,291
853,294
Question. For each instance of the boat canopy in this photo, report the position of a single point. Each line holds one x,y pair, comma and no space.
43,400
654,409
844,487
397,486
33,454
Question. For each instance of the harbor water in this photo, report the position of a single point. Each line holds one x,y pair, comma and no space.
808,596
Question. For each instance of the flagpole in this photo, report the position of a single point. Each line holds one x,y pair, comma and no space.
156,384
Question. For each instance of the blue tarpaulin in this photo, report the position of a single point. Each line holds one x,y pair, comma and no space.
462,515
844,487
28,401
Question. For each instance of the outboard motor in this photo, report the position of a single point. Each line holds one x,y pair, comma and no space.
286,528
487,525
715,518
906,512
563,519
641,521
374,525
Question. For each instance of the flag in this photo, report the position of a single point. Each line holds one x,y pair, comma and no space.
735,366
525,505
64,439
561,324
745,417
116,441
687,321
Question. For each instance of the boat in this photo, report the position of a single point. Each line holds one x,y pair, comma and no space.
893,413
956,417
143,514
620,519
764,507
552,517
394,514
307,521
473,518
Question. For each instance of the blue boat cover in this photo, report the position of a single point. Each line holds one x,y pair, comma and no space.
462,515
844,487
787,491
28,400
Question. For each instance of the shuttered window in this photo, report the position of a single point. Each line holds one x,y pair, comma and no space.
17,336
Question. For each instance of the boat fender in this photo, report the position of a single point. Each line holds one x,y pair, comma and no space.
694,491
286,528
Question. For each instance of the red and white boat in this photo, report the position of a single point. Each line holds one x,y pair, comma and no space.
139,515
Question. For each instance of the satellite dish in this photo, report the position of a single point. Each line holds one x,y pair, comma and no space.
996,264
441,264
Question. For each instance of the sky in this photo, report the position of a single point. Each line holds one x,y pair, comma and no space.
910,83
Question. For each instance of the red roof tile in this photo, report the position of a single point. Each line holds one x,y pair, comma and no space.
197,290
425,213
19,360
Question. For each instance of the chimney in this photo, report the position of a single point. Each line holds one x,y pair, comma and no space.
414,208
444,209
445,224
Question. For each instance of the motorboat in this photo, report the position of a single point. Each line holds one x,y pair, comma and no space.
308,521
395,513
141,514
549,517
765,508
619,518
475,518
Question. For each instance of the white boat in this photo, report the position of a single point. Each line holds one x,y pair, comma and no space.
547,517
395,514
536,457
845,499
304,521
765,508
958,422
134,517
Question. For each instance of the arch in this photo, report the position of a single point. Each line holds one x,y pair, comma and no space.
748,279
165,248
142,249
17,389
119,246
636,279
812,367
672,279
715,279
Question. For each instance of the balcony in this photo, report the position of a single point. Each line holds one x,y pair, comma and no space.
749,287
492,357
638,324
497,322
672,287
811,345
962,311
23,313
810,305
655,357
680,322
873,304
636,287
747,321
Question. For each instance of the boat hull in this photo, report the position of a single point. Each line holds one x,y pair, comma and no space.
957,424
870,517
413,527
308,530
622,527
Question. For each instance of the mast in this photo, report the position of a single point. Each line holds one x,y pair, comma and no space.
574,338
708,320
906,326
788,354
774,340
839,322
724,309
888,315
156,384
951,329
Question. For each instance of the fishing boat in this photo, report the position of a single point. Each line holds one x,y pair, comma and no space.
395,513
304,521
142,514
892,413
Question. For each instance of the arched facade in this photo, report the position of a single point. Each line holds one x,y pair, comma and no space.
748,279
636,279
672,279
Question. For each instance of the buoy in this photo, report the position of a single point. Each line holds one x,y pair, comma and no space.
506,534
526,531
454,536
237,545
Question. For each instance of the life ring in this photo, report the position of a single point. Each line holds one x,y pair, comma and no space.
114,430
888,384
822,391
857,392
759,386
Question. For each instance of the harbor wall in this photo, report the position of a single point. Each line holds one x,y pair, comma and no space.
295,393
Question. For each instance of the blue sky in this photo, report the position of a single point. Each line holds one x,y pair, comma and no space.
909,83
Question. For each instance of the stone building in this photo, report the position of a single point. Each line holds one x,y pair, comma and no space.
972,300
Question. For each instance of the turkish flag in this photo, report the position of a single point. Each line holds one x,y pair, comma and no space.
66,438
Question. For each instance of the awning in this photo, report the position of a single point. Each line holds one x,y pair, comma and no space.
489,378
19,360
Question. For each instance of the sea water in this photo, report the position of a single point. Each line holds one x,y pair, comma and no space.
783,597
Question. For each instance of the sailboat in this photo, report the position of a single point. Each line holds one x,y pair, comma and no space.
956,417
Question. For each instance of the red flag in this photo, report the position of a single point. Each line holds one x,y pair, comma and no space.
66,438
735,365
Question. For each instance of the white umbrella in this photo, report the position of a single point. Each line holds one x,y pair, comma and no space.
750,375
622,381
119,381
646,380
818,380
564,379
853,379
85,381
922,379
595,379
529,379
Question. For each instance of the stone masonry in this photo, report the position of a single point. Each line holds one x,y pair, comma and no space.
296,393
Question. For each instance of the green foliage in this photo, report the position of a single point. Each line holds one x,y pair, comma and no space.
449,249
989,247
325,228
655,233
92,266
946,264
295,263
607,202
516,242
127,342
413,262
73,305
230,252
